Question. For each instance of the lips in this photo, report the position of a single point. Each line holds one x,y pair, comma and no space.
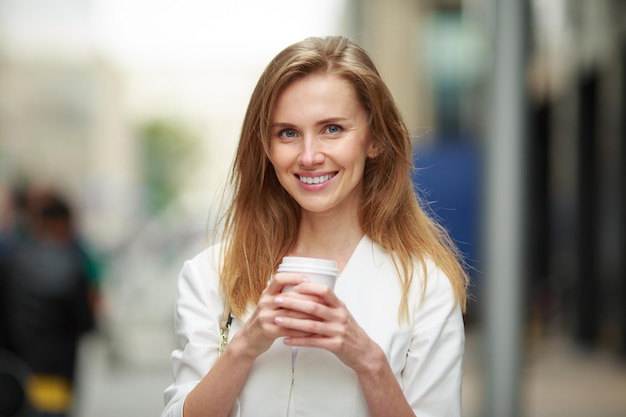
316,180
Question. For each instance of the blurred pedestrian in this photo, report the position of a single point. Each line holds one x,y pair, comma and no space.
12,213
45,299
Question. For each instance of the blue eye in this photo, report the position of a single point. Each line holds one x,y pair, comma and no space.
287,133
333,129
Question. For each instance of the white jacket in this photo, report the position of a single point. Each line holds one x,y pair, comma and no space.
426,354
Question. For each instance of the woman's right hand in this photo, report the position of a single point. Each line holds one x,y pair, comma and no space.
260,330
217,391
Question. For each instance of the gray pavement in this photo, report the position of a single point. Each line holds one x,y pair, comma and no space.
110,387
558,381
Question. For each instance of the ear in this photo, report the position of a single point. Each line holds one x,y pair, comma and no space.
373,150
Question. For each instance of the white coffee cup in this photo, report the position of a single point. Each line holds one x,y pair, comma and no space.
322,271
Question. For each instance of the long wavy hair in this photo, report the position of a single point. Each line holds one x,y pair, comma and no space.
260,224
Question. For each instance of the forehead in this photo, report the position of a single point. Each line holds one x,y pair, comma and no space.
318,91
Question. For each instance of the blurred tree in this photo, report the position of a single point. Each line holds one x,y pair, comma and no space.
168,151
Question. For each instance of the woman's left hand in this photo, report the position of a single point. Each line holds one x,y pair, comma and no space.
334,328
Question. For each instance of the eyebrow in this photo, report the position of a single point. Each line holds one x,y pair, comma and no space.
281,124
329,120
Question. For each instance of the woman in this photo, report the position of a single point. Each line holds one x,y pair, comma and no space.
322,170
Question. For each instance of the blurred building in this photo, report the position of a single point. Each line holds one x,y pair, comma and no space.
133,109
436,56
577,112
62,115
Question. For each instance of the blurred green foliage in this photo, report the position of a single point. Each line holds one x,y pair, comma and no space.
169,150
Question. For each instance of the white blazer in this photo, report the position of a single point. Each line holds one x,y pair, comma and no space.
426,355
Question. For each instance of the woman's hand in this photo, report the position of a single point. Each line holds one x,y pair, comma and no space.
324,322
262,328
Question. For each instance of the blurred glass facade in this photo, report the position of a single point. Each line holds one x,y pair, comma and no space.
132,109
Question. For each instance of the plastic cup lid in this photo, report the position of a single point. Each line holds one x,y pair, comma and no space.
305,264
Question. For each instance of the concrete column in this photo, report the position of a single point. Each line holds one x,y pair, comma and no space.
504,211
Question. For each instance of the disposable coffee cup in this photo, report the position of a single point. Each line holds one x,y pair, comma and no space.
322,271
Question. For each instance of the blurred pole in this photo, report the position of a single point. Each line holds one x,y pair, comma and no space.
622,185
504,210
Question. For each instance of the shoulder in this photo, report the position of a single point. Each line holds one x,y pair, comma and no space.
428,280
201,272
435,280
426,274
434,294
204,261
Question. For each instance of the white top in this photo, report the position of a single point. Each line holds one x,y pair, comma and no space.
426,355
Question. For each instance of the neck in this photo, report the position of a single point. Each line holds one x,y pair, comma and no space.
328,237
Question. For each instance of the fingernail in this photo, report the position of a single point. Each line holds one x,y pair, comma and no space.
279,320
279,300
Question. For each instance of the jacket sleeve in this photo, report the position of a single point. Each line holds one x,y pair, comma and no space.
433,373
199,307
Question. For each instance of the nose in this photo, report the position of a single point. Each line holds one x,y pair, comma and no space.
311,151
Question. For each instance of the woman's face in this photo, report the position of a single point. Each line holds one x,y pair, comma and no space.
319,143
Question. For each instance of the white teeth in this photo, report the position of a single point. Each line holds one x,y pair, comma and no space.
315,180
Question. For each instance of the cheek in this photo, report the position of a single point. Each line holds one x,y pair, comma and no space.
281,169
280,164
276,157
354,157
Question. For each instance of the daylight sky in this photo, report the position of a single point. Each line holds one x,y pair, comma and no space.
164,32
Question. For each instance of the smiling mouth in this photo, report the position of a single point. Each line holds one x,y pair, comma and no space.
316,180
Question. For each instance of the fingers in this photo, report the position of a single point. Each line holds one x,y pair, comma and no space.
261,329
286,314
313,316
278,288
318,292
268,309
313,307
282,279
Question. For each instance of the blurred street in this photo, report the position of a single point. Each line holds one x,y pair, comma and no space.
107,390
559,381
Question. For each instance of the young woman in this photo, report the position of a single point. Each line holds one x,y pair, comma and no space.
322,170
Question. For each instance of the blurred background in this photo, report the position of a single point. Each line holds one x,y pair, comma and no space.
129,110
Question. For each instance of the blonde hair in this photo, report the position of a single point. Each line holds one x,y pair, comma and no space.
261,222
